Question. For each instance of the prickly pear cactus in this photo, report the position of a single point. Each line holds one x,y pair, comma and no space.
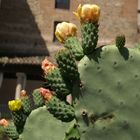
93,94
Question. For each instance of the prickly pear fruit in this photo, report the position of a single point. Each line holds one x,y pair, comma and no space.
75,47
11,131
26,104
60,110
67,64
89,37
38,98
58,83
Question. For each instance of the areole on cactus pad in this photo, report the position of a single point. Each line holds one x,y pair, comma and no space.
103,83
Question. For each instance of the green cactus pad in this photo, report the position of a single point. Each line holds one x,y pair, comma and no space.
73,44
60,110
108,101
11,131
58,83
73,133
67,64
89,37
41,125
38,98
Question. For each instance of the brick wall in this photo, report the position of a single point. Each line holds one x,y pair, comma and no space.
117,16
28,24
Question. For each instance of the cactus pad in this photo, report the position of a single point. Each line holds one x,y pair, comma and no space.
38,98
51,128
11,131
67,64
108,101
75,47
60,110
89,37
58,83
26,105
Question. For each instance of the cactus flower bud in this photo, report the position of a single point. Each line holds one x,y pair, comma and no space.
4,122
23,93
46,93
47,66
65,30
88,13
15,105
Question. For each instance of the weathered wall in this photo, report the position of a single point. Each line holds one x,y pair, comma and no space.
28,25
117,16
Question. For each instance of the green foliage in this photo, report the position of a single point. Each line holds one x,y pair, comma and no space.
37,98
1,132
67,64
108,101
58,83
61,110
89,37
11,131
51,128
73,44
19,119
26,105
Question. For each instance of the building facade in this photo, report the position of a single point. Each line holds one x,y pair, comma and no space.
117,17
27,35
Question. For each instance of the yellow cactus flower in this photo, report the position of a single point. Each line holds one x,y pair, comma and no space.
88,13
65,30
15,105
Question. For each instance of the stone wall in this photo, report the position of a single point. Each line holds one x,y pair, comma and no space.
117,16
28,25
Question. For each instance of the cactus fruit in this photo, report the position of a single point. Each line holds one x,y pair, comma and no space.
61,110
38,98
9,128
58,83
67,64
25,100
74,46
11,131
104,87
89,37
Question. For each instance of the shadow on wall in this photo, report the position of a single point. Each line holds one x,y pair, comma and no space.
19,32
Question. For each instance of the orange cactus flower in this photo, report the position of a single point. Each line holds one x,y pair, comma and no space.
4,122
88,13
23,93
46,93
65,30
47,66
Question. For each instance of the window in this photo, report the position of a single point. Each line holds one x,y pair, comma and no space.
55,24
62,4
